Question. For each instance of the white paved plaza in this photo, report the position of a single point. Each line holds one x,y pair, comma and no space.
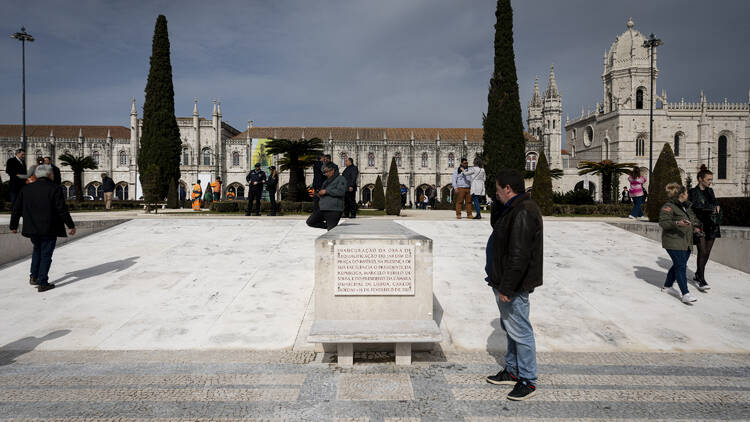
180,283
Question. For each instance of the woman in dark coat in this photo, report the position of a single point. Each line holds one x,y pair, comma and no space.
271,184
707,209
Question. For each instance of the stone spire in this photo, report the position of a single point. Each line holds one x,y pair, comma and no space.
52,133
80,133
109,135
411,137
195,107
551,91
536,98
214,113
133,111
218,109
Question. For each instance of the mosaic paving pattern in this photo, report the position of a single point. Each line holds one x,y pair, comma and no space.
258,386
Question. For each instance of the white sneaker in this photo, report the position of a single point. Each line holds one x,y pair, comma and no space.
631,217
688,298
643,218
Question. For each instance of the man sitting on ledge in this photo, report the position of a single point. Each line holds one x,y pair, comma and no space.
331,196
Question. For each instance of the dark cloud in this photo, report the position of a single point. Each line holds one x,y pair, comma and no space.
383,63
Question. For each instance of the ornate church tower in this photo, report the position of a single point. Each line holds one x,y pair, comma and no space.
534,120
552,120
626,72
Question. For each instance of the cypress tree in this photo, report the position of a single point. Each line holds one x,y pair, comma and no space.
150,179
665,172
504,143
378,197
541,191
393,191
172,198
160,142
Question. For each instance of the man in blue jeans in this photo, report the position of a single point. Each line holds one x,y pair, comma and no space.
45,215
514,269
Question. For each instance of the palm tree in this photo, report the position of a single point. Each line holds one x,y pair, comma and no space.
78,165
607,169
296,156
553,173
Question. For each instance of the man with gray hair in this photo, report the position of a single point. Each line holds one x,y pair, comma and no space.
45,215
331,196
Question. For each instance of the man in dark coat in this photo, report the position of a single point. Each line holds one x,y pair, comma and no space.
351,173
55,170
108,190
45,216
515,271
256,178
15,167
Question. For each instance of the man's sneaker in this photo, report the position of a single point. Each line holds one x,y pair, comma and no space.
522,391
44,287
688,298
33,282
503,378
632,217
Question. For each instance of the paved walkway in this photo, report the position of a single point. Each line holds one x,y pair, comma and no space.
246,385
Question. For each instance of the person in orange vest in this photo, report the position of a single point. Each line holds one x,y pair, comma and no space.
196,196
230,195
216,188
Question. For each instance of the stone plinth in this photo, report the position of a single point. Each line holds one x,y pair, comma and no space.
373,284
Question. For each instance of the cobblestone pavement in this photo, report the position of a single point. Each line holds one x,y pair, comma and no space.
230,385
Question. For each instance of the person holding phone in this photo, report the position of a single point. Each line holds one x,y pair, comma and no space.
678,223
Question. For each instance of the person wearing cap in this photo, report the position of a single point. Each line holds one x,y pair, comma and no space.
331,196
255,179
271,185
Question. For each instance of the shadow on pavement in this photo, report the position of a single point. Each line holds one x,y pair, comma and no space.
656,277
497,342
11,351
114,266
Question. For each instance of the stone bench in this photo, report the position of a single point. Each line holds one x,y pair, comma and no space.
345,333
373,288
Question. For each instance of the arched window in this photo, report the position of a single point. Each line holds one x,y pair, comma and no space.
531,161
96,157
371,160
451,160
343,159
123,158
235,159
424,159
677,138
206,157
397,156
640,146
185,156
121,191
639,99
722,167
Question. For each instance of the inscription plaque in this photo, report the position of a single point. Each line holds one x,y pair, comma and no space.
374,271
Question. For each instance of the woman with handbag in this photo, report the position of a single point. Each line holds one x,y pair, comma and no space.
707,210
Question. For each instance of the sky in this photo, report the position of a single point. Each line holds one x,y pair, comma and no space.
388,63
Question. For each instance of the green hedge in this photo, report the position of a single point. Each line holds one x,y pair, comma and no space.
615,210
240,206
99,205
736,211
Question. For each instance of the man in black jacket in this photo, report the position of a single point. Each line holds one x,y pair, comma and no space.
108,190
55,170
351,173
255,179
515,270
45,216
15,167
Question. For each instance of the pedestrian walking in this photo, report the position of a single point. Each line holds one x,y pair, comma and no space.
515,271
57,179
108,189
678,223
45,215
208,196
15,167
197,195
30,177
271,185
625,196
433,196
707,210
462,188
183,196
478,177
636,193
331,203
255,179
216,189
351,174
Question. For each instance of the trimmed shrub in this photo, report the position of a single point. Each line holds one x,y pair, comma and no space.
735,211
573,197
239,206
615,210
99,205
665,172
172,199
541,191
393,191
378,196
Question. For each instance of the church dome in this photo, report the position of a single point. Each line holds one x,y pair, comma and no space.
627,50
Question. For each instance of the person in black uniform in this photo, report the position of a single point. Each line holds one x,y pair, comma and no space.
256,178
708,211
351,173
16,169
271,185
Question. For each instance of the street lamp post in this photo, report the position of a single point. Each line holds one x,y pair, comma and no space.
23,37
651,43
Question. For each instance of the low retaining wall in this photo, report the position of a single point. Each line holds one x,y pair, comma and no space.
14,246
732,250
